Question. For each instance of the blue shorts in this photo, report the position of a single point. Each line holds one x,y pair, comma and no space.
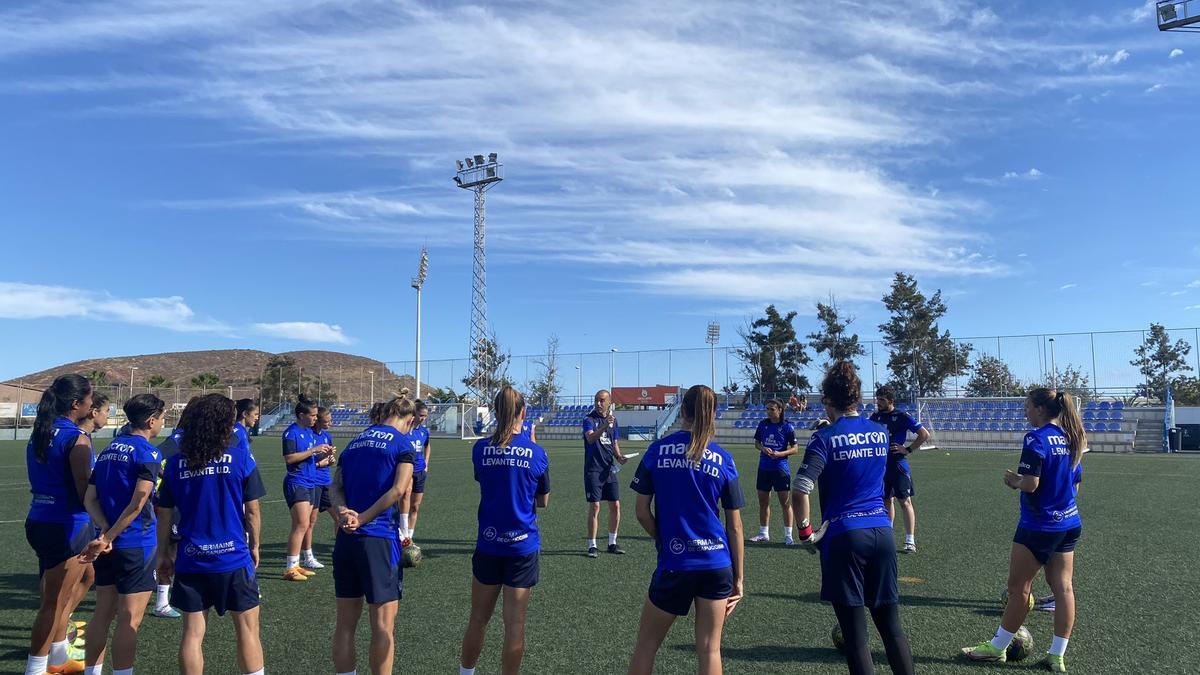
898,482
367,567
514,571
601,486
322,498
131,570
858,568
1043,545
418,486
773,479
235,591
57,542
297,494
673,591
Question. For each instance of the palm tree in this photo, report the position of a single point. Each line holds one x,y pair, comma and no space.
205,381
99,378
157,382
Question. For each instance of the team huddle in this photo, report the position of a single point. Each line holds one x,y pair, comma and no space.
181,521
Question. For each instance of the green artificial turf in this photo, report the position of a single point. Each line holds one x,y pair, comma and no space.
1136,577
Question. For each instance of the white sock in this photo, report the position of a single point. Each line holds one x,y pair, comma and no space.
58,653
404,524
463,670
612,538
910,539
123,671
591,543
293,561
162,599
349,672
307,553
99,670
1058,646
787,534
1003,638
36,665
260,671
763,531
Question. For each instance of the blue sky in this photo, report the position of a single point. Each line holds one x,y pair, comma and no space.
220,173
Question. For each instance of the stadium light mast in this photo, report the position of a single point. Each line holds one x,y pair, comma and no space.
1178,15
712,337
479,175
417,283
131,369
1053,366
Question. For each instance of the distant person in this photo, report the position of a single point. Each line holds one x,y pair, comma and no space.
216,486
1049,528
58,461
300,453
372,473
322,480
247,419
798,403
601,448
514,481
529,429
847,460
897,481
98,419
775,440
119,500
683,482
411,504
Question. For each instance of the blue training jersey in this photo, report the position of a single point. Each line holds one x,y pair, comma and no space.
420,441
898,424
298,439
846,460
243,436
322,475
51,483
210,502
510,480
128,459
777,437
598,457
368,465
686,494
1051,507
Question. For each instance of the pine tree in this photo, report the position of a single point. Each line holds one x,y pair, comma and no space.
992,377
832,339
771,356
489,370
922,356
1160,361
544,391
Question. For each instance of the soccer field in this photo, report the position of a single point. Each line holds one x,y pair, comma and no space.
1136,577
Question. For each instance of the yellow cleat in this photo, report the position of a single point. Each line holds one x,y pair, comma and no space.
295,574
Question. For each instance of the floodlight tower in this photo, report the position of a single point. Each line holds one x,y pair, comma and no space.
479,175
417,283
712,338
1178,15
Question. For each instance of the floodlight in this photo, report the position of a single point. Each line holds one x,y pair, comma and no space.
478,160
459,163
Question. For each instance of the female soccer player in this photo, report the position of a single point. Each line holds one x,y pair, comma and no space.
1049,527
300,451
847,459
215,484
514,480
162,575
322,479
118,500
601,447
684,477
59,463
410,505
373,472
247,418
98,419
897,479
775,439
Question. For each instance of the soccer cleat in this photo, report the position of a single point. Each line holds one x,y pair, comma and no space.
313,564
68,666
593,552
789,542
167,612
909,547
984,651
1054,664
75,653
1045,604
758,539
307,573
613,548
295,574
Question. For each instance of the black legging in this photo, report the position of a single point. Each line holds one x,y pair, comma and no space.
853,621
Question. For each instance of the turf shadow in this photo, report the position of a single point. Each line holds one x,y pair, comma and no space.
20,591
775,654
811,596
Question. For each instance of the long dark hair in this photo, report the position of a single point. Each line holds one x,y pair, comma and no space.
140,408
842,388
56,401
700,406
1061,406
304,405
508,405
244,406
209,430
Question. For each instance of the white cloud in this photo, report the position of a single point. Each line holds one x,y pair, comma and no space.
1191,307
1065,287
1194,284
306,331
33,301
1022,255
1175,53
1102,60
1175,294
1032,174
1153,88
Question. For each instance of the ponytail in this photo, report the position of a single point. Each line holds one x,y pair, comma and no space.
508,404
56,401
700,406
400,406
1060,405
842,388
374,416
244,406
304,405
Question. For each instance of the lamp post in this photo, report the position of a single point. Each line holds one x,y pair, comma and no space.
612,368
578,382
417,283
712,337
1053,366
372,374
131,369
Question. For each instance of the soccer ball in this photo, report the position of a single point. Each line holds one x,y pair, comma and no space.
1021,645
839,643
1004,599
411,556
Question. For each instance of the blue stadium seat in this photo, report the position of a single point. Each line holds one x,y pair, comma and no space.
1113,426
1089,427
1101,415
994,426
1090,405
1116,414
1118,405
1105,405
1089,415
